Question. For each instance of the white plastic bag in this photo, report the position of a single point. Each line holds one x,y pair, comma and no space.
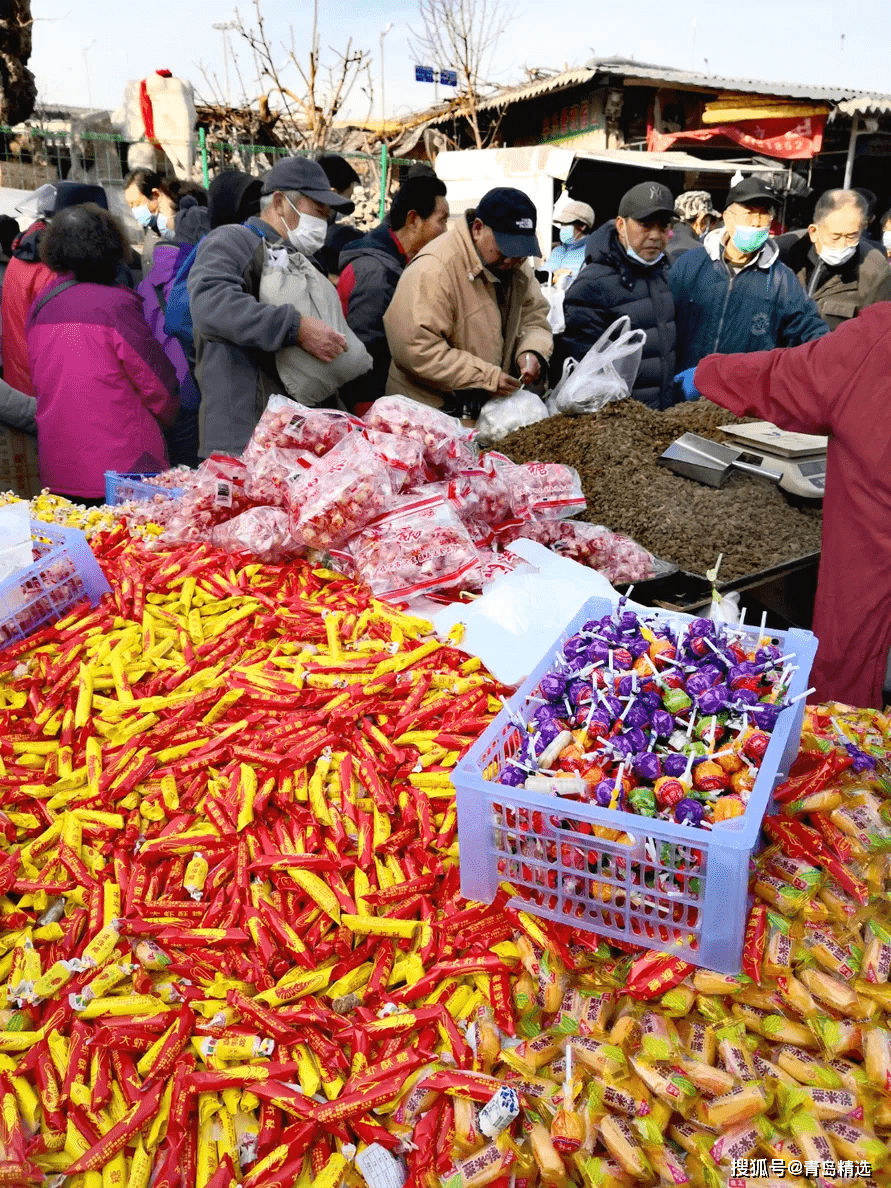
307,379
502,415
606,373
554,292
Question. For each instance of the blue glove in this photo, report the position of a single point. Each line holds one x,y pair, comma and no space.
685,379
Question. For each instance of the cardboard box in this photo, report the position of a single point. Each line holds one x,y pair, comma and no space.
19,471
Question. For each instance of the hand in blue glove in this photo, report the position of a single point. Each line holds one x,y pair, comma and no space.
685,379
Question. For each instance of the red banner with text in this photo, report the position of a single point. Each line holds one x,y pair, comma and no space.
793,139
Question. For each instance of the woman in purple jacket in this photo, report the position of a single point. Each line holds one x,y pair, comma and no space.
104,386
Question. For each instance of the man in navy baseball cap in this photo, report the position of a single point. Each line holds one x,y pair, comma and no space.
506,218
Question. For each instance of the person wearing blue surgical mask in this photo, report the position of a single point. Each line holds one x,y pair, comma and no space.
574,223
734,294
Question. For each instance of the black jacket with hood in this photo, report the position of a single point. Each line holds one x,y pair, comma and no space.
610,286
369,271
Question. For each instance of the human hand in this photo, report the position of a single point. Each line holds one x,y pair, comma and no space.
507,385
530,368
320,340
686,380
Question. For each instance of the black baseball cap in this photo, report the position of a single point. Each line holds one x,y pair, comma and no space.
76,194
750,189
645,200
511,215
306,177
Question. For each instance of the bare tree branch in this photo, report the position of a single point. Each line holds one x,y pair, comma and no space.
461,35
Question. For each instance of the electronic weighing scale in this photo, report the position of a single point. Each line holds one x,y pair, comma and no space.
799,458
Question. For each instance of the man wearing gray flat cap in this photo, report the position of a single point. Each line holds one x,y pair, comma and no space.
237,335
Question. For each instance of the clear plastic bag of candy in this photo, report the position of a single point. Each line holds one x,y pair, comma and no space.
264,532
269,472
419,548
215,493
547,489
340,493
501,416
287,425
445,441
403,455
478,494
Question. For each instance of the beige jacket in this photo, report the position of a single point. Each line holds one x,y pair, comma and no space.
444,324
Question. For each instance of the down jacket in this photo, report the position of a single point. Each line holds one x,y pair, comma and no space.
104,387
445,326
840,293
25,277
722,311
610,286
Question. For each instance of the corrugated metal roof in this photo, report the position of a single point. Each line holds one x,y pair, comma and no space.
719,82
866,105
542,86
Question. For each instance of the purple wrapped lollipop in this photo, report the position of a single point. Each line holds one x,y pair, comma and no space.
765,654
674,765
688,812
637,647
702,627
638,715
637,738
647,765
662,723
603,793
862,761
745,668
713,700
698,683
597,652
614,705
651,699
579,691
624,744
548,731
765,715
552,686
512,776
626,685
746,696
575,649
545,714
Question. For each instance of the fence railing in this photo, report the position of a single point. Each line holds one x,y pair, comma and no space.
31,156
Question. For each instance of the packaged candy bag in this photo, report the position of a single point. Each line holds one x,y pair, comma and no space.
419,548
445,441
548,489
265,532
478,495
287,425
216,493
269,472
339,494
403,455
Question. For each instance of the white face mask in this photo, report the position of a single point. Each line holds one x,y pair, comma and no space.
310,233
886,240
639,259
835,257
164,227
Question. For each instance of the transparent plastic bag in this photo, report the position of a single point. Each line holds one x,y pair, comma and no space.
264,532
618,558
419,548
269,472
403,455
287,425
445,441
215,493
479,495
547,489
502,416
605,374
340,493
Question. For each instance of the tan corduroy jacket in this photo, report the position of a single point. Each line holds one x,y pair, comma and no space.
444,325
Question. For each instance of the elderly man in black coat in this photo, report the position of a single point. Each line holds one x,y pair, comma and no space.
625,273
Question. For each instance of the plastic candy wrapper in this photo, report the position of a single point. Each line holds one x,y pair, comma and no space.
479,495
419,548
265,532
287,425
617,557
339,494
216,492
445,441
403,455
270,471
549,490
502,416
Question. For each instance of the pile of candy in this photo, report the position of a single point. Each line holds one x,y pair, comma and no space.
654,717
337,477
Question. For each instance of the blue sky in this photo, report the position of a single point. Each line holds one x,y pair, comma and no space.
85,53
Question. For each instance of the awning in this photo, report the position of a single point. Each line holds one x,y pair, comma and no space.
789,139
672,160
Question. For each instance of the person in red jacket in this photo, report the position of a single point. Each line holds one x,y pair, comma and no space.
838,385
26,275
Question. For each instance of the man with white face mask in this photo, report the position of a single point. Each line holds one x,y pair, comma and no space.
237,335
734,293
841,271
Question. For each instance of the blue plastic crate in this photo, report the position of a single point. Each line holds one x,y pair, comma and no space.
539,843
121,488
64,573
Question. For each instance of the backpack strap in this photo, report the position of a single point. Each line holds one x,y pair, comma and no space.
69,284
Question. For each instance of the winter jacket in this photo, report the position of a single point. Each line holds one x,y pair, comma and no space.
236,335
567,257
103,385
841,387
721,310
25,278
17,410
610,286
840,293
154,292
370,269
445,328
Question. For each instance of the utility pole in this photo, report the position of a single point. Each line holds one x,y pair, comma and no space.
225,27
383,113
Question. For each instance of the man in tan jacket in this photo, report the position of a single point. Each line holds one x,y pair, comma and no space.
467,313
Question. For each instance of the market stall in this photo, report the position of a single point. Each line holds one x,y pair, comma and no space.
235,946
